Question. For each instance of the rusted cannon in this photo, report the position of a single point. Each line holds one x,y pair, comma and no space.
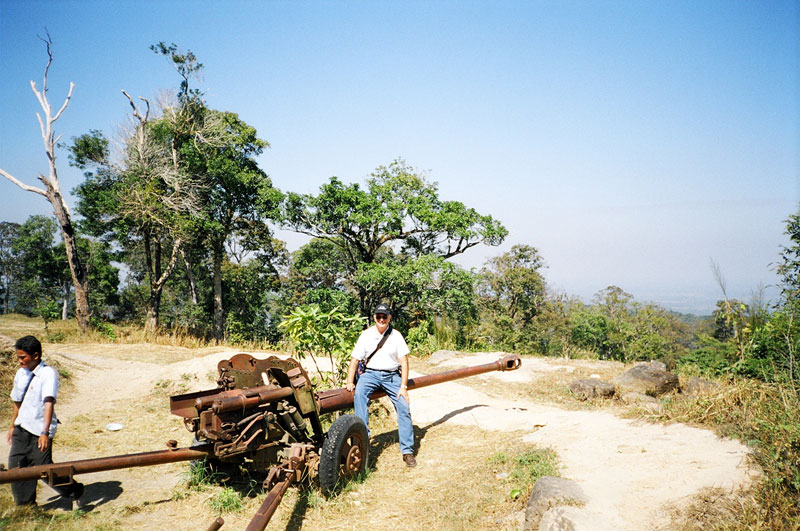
265,418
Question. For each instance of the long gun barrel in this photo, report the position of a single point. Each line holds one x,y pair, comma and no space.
61,473
339,399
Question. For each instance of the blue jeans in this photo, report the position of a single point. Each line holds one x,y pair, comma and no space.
370,382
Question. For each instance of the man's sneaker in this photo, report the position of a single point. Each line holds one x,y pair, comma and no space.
77,494
409,460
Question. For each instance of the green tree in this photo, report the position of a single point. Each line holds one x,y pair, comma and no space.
8,260
321,334
236,199
40,275
398,207
511,293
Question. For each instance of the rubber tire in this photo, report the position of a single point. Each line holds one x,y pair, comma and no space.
347,432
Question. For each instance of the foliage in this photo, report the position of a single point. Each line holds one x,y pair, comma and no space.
318,333
398,206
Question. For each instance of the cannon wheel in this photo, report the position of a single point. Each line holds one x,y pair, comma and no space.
344,453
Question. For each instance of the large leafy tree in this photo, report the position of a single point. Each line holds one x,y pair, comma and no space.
397,210
236,198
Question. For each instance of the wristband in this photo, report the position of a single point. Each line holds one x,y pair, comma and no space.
403,387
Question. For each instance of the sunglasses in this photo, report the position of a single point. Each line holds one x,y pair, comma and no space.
381,316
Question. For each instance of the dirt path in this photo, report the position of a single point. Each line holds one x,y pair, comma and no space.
631,471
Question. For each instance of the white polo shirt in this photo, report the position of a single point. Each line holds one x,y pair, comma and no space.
387,358
31,412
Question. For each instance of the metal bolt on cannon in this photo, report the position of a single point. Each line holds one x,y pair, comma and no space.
264,416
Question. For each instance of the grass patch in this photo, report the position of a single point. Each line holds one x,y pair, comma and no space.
226,501
766,417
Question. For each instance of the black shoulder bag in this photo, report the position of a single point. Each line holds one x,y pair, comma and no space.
362,364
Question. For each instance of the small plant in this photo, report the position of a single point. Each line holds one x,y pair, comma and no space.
226,501
527,467
199,475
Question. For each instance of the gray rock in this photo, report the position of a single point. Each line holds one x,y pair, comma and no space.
591,388
549,492
643,401
698,386
647,378
569,519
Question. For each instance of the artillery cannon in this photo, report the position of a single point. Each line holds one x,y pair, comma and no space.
264,416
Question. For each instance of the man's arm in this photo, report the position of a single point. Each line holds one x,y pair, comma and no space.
351,374
404,378
13,420
44,437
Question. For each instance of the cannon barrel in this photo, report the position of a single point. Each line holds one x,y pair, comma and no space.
67,469
338,399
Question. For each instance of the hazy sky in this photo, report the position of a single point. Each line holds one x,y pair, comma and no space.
630,142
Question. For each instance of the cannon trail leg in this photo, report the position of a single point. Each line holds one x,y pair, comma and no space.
279,479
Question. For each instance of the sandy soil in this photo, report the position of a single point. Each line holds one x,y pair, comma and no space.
631,471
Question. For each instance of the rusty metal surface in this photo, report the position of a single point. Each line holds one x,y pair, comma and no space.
339,399
279,479
57,471
216,524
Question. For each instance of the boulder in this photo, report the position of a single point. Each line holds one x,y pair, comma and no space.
643,401
569,518
698,386
549,492
647,378
591,388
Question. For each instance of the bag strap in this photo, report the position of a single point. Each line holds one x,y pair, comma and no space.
380,344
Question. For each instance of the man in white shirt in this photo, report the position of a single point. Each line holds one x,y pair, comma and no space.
33,420
386,369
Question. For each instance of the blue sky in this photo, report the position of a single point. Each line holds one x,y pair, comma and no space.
630,142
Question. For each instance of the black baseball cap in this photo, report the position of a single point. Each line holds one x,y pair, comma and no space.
382,308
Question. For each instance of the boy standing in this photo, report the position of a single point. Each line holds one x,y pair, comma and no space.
33,421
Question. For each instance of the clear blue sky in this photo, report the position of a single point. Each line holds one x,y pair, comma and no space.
630,142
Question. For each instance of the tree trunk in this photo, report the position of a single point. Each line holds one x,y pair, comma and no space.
80,277
153,306
219,322
65,306
190,276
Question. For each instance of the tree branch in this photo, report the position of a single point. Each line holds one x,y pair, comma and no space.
22,185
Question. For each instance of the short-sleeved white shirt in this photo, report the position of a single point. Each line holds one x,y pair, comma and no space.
387,358
31,412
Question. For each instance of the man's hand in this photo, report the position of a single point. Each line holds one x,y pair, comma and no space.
10,433
350,386
404,393
44,442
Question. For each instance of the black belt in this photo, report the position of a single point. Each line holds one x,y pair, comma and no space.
384,370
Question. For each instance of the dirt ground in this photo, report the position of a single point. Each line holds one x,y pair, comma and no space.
633,472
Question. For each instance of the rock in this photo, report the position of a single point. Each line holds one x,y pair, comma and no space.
591,388
569,518
647,378
698,386
6,345
643,401
549,492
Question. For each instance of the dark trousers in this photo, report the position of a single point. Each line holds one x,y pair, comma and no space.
24,453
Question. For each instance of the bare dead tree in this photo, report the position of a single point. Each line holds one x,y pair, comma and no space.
52,191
